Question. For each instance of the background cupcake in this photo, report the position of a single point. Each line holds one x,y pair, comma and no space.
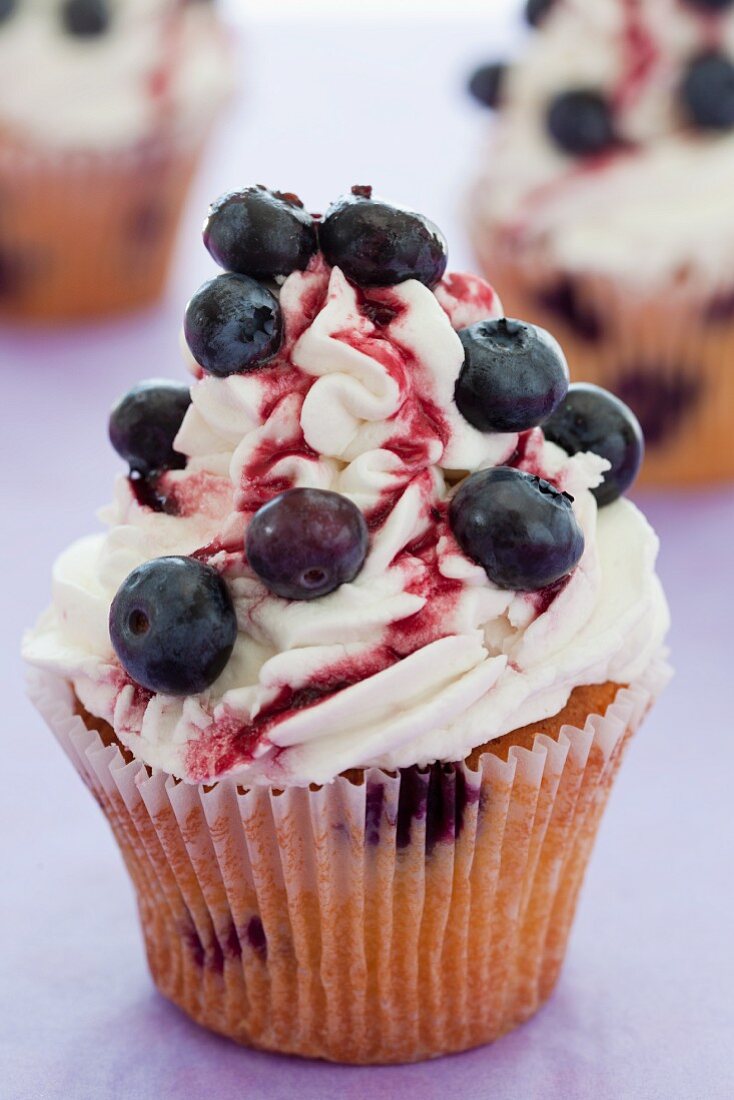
377,626
105,106
604,210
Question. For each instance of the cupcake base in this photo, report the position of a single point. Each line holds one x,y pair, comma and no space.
88,236
384,918
667,354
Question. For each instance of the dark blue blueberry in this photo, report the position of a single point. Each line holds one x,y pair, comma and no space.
233,325
307,542
710,5
708,92
260,233
86,18
592,419
513,377
145,422
377,244
518,527
485,83
7,8
536,11
581,123
173,625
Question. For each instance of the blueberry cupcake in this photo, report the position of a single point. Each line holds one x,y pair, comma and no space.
354,665
604,210
105,106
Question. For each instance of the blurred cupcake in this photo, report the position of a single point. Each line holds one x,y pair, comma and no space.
353,669
604,209
105,106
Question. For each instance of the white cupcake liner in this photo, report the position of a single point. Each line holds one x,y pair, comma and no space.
399,918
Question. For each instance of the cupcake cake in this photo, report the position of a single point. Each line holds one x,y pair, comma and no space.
353,668
105,106
603,209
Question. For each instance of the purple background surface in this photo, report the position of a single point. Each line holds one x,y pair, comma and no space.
644,1006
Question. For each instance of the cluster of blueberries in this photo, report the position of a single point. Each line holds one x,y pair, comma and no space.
581,120
172,623
80,18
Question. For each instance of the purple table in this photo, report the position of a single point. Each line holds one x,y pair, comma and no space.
644,1006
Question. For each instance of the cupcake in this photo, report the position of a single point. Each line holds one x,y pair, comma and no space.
105,107
603,209
353,668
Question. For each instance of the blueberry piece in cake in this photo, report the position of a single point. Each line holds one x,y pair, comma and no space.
233,324
144,424
581,123
514,375
592,419
707,92
173,625
536,11
378,244
86,18
710,5
260,233
307,542
518,527
485,83
7,8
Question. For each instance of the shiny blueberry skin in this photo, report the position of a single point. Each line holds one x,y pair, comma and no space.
518,527
581,124
707,92
7,8
260,233
485,83
144,423
86,18
233,325
307,542
173,625
592,419
536,11
377,244
514,375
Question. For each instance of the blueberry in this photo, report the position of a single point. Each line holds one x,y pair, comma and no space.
173,625
7,8
307,542
580,122
708,92
536,11
86,18
377,244
711,5
514,375
592,419
233,325
260,233
518,527
486,83
145,422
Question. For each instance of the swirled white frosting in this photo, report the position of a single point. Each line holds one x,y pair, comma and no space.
161,65
421,658
659,209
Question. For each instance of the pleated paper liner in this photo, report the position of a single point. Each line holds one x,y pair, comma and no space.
84,236
390,920
667,353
